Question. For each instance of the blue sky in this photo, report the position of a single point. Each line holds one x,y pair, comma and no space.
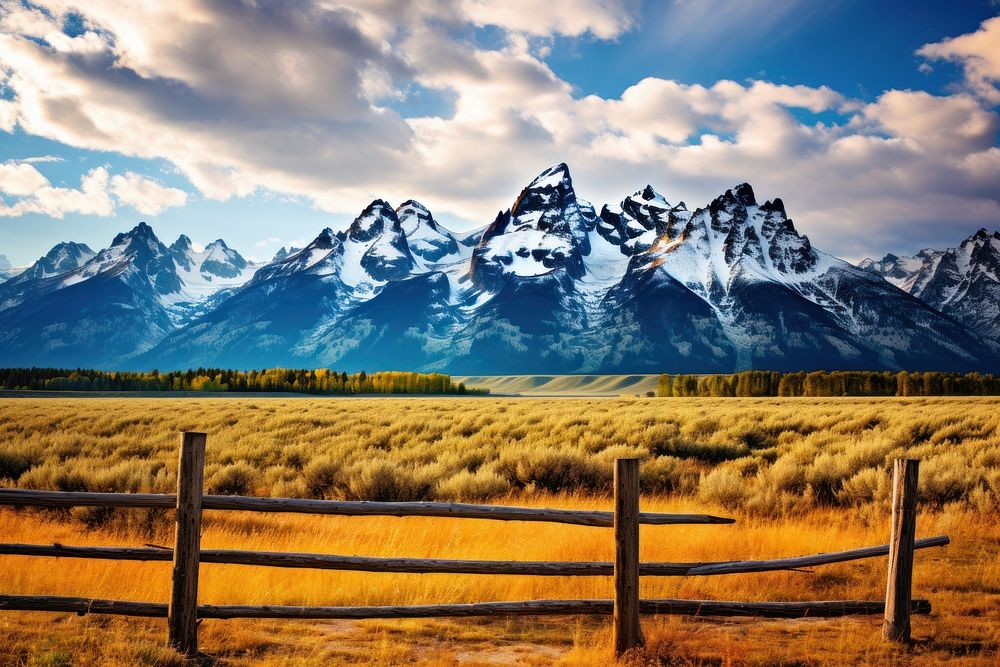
263,124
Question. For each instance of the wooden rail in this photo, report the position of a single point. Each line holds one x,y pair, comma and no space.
597,518
455,566
818,609
184,613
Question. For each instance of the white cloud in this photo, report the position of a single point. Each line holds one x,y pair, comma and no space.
316,118
91,198
602,18
144,194
42,158
19,179
979,55
32,192
263,243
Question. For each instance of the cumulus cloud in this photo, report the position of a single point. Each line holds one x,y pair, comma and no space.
91,198
144,194
602,18
98,194
299,99
19,179
978,53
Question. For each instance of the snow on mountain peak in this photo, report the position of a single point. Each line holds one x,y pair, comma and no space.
425,237
962,282
549,287
555,176
62,258
182,244
412,213
546,229
140,233
373,221
640,219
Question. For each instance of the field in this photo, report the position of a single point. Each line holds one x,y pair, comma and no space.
563,385
800,476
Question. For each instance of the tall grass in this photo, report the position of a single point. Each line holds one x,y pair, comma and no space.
801,476
770,457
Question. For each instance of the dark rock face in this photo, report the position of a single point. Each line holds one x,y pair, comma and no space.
388,257
636,223
546,229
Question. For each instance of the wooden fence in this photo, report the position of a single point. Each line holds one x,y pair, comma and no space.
183,611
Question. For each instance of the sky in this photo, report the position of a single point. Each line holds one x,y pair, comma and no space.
262,122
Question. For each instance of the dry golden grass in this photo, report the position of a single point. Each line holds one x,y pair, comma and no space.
789,466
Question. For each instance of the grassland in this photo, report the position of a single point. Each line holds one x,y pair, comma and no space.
800,475
563,385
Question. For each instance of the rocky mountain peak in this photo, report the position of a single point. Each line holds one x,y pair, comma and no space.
545,230
375,219
140,233
324,240
425,237
744,194
62,258
182,244
556,176
412,214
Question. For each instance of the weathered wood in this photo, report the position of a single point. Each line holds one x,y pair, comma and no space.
737,567
182,616
453,566
898,588
627,630
57,499
820,609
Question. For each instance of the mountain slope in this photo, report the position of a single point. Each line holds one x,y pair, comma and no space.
346,293
97,313
962,282
77,308
61,258
780,303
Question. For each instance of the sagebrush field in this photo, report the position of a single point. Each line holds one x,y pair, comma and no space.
800,475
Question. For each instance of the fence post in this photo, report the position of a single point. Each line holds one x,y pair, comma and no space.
898,588
627,631
182,615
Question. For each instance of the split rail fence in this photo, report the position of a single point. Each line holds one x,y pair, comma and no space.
183,612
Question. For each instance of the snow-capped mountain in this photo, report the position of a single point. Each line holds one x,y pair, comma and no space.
546,230
425,238
61,258
75,307
550,286
331,300
962,282
741,268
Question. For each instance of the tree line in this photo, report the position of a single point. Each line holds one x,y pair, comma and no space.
319,381
831,383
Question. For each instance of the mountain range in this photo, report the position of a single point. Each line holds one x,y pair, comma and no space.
551,285
962,282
